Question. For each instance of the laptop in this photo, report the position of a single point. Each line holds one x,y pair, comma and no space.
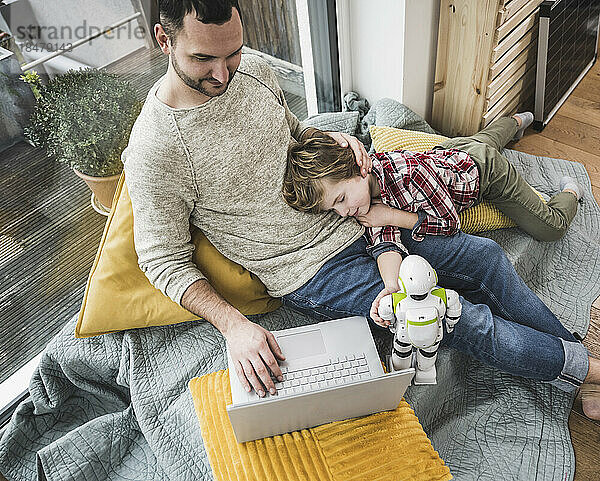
332,372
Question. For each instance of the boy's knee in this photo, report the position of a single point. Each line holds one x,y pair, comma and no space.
551,234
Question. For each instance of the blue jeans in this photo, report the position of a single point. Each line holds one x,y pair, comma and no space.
503,323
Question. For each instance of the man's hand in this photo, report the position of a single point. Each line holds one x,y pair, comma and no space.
362,158
250,345
252,348
379,215
375,305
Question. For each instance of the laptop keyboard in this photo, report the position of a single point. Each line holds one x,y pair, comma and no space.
339,370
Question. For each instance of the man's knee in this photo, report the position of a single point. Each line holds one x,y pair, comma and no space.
484,257
489,249
475,329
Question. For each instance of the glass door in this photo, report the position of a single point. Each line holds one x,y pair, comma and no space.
298,38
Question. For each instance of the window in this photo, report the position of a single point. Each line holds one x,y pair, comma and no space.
49,230
49,227
298,38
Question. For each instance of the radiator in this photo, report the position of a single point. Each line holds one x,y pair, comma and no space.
567,49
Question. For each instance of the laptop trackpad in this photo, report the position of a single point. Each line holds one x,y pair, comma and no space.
302,344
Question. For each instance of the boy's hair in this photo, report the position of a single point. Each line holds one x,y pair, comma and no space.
308,163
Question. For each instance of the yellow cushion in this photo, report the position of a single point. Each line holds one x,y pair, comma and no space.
482,217
385,446
119,296
386,139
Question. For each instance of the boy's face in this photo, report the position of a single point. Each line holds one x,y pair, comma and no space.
349,197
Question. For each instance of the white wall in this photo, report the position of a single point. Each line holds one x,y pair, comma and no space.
376,72
420,49
388,48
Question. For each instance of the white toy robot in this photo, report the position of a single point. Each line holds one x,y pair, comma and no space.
416,315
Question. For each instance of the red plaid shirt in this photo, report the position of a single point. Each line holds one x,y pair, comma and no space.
436,185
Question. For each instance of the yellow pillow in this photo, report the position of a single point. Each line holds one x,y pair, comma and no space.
386,139
119,296
482,217
390,446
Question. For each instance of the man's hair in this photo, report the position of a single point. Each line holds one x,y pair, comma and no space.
172,13
308,163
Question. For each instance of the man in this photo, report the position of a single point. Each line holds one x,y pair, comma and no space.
209,147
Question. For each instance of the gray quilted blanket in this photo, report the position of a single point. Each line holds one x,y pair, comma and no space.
117,406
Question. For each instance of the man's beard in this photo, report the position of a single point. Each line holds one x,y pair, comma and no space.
197,84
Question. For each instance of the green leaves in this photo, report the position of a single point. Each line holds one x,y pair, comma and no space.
84,118
32,78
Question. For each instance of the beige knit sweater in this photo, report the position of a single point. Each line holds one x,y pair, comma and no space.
220,166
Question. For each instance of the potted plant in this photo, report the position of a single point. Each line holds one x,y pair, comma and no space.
83,118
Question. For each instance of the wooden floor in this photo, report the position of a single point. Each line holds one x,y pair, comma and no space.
574,134
48,239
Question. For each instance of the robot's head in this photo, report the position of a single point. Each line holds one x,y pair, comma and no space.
417,276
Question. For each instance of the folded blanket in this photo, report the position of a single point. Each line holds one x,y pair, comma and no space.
117,406
387,446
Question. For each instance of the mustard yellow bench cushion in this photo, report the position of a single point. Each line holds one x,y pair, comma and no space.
119,296
479,218
385,446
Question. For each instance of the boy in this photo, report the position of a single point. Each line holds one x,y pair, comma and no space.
435,185
425,192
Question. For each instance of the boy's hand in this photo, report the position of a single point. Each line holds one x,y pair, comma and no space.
379,215
375,306
362,158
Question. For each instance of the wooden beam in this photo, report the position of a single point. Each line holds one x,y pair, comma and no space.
514,96
528,41
510,84
511,38
512,73
522,14
510,9
465,42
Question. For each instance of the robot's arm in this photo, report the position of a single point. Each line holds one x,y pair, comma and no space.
454,309
386,309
